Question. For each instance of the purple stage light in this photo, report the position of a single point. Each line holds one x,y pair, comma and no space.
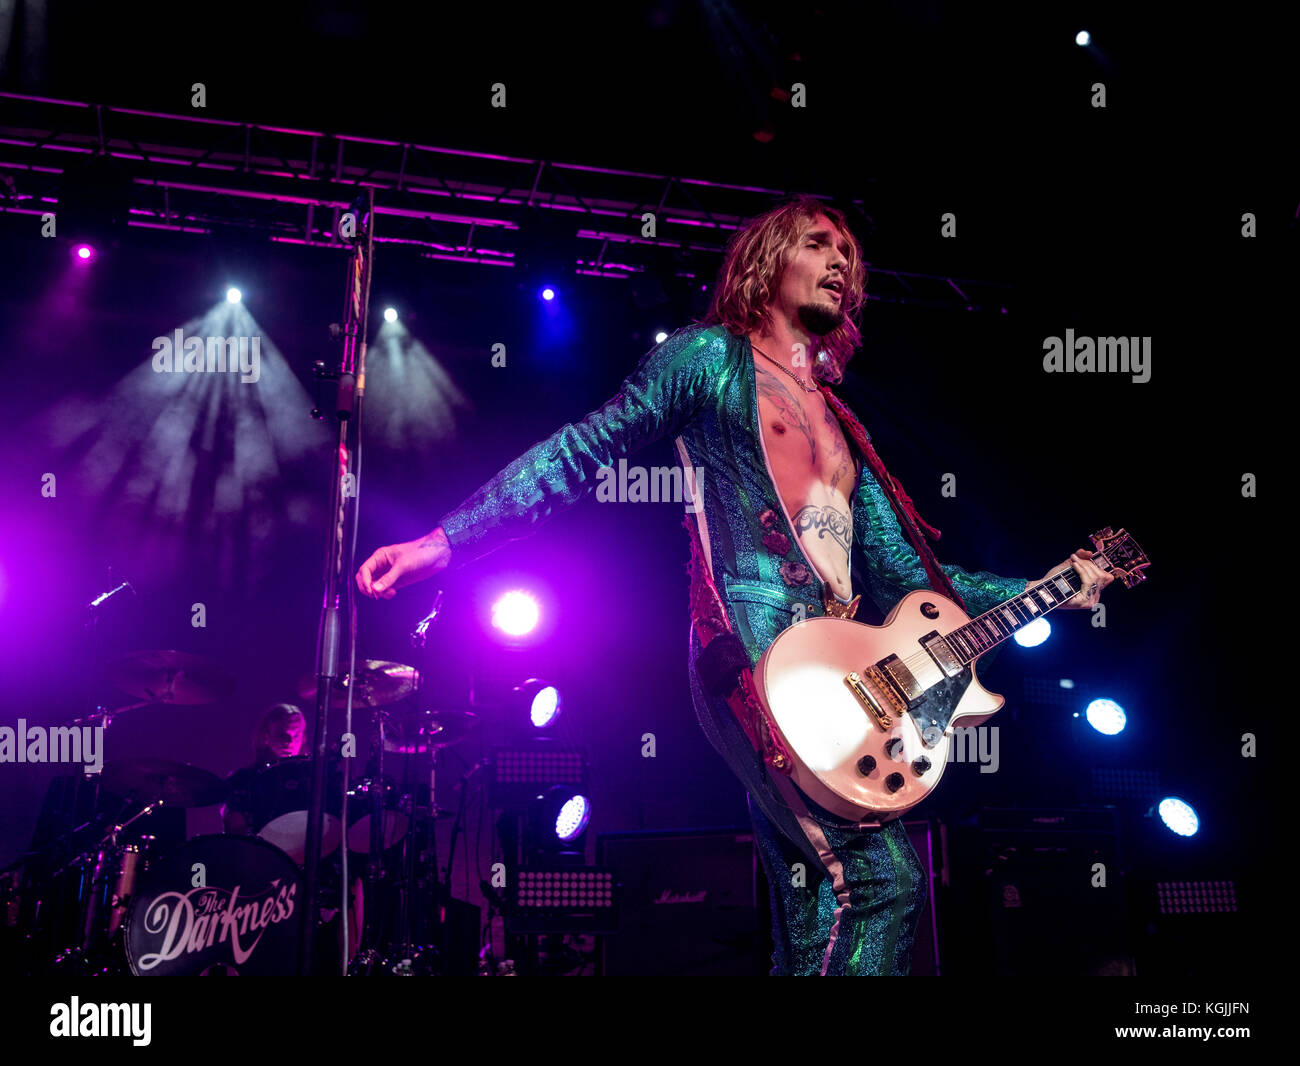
83,253
545,707
548,294
572,819
516,613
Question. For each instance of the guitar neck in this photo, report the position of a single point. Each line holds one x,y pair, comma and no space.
986,631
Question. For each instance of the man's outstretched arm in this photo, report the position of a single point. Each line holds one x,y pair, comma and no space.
667,389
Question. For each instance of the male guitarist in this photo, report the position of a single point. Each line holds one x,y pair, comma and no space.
787,523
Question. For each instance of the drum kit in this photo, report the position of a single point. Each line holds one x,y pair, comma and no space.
105,897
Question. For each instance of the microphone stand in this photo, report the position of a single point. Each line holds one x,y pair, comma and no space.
340,547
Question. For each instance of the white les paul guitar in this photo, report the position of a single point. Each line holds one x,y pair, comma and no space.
868,712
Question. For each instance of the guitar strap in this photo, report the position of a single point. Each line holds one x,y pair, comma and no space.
710,621
899,500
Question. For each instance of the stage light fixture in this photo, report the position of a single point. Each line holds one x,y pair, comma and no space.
563,899
516,613
548,293
390,314
660,337
559,818
540,699
1034,634
572,820
233,295
519,775
1106,716
1179,816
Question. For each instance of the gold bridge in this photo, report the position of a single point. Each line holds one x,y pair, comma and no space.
883,718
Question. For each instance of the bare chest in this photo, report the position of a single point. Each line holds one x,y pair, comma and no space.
804,442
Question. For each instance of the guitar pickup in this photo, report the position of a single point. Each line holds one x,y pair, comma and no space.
854,680
904,681
938,650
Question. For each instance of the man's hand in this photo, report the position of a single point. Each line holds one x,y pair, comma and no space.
398,565
1094,580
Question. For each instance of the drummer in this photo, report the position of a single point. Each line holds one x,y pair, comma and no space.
280,734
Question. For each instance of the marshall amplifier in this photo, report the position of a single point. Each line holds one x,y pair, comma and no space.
689,905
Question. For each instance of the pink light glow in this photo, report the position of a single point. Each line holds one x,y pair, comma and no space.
516,613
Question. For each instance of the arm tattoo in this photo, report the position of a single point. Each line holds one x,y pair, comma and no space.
771,388
824,520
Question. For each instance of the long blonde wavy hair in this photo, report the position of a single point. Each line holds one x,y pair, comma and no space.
751,272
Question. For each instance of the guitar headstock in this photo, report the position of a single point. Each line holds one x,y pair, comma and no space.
1124,554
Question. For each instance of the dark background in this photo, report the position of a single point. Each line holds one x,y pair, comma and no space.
1117,221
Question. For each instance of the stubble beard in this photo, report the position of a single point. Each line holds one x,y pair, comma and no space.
820,320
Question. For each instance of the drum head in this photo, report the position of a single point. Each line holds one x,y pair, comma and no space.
288,832
280,796
226,905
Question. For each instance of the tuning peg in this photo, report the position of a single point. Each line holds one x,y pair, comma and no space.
1100,537
1134,577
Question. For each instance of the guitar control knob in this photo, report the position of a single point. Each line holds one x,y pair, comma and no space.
920,765
894,747
866,764
894,782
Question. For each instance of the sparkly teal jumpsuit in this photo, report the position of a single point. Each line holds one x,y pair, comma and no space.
846,898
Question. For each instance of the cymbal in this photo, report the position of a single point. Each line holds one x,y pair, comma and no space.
430,731
177,784
171,677
378,684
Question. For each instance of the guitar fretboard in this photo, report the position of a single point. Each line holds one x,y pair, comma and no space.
991,628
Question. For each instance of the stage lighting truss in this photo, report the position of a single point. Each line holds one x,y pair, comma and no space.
193,175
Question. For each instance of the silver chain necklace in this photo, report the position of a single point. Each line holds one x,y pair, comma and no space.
782,366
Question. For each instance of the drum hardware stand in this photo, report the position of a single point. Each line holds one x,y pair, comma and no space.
345,471
419,847
103,901
402,957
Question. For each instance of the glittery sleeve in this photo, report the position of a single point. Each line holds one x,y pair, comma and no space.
894,569
671,383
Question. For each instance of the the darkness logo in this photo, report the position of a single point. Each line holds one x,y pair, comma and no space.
239,920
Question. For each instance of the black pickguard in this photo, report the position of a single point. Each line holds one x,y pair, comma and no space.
934,707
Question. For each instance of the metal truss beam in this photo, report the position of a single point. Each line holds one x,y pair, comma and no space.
193,174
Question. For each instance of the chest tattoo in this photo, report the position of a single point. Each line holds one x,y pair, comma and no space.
824,521
770,388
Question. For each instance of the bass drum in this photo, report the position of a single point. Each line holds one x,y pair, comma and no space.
217,906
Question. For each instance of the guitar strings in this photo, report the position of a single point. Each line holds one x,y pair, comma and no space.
920,658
